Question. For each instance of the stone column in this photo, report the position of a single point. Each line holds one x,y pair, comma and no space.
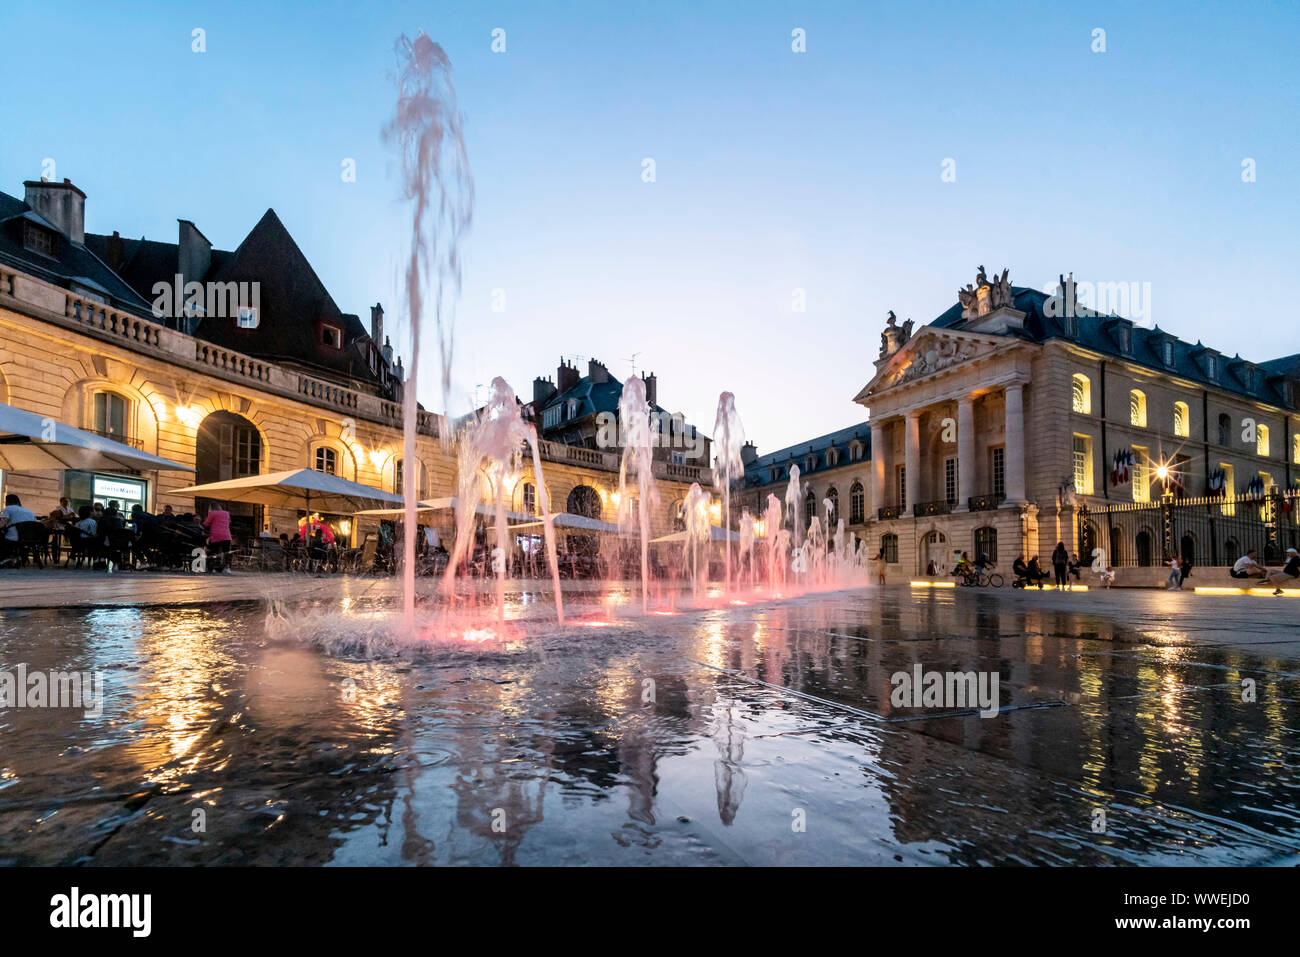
877,469
912,460
1015,459
965,452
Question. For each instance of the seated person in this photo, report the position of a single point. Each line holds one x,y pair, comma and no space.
1075,567
1247,566
1108,576
1036,573
1020,569
13,514
1288,574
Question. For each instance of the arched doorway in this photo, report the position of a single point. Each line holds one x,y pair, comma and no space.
935,550
229,446
584,500
1142,542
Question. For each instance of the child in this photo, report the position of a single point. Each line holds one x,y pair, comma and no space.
1108,576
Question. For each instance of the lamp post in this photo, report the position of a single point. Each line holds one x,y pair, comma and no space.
1166,511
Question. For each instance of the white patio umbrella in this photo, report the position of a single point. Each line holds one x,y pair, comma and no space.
31,442
296,488
569,520
446,505
716,534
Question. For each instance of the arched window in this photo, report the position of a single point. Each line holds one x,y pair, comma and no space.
398,471
1261,440
1182,420
833,515
889,548
1116,545
1143,543
584,500
530,498
986,542
111,419
326,460
809,507
858,500
1225,429
1082,394
1137,408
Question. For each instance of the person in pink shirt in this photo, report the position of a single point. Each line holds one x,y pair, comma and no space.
217,523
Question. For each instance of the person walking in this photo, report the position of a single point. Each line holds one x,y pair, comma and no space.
1060,563
1175,576
217,524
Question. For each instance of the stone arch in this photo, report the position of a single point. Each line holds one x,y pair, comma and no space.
142,414
583,500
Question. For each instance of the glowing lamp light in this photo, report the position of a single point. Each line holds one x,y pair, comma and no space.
1162,472
189,415
377,457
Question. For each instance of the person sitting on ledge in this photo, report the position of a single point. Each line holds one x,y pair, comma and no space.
1036,573
1020,570
1247,566
1288,574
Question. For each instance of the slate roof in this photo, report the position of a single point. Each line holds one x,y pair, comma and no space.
73,263
293,302
1100,333
759,472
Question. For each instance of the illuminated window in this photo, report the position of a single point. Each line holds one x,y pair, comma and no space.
986,542
1137,409
1141,475
1261,440
1083,464
1229,506
1182,422
530,498
248,451
1295,449
327,461
1082,394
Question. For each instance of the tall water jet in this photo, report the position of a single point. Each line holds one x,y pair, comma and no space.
490,447
427,132
728,441
793,496
746,570
637,464
695,512
775,550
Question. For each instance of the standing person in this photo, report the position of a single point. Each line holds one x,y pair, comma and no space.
1288,574
1184,570
1060,562
880,566
217,524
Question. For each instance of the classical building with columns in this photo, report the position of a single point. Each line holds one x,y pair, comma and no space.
1017,419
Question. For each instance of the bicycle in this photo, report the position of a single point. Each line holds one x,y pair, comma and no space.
978,579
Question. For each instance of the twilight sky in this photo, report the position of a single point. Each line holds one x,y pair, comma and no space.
775,170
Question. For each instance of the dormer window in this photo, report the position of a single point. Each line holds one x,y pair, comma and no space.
1212,367
572,409
332,336
39,240
1167,352
247,317
1125,339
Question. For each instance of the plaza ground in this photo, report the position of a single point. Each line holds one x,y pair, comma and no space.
755,734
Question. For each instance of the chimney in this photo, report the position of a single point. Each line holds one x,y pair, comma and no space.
596,371
543,389
377,323
194,253
116,252
61,203
388,352
748,453
566,376
651,389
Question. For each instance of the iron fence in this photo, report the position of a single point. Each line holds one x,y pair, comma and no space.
1207,531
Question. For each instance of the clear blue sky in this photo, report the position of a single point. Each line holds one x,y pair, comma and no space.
775,170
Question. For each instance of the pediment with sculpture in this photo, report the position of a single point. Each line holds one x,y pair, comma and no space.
929,352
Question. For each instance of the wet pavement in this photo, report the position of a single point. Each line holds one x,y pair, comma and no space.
756,734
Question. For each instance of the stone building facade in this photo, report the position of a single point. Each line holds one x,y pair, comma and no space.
80,343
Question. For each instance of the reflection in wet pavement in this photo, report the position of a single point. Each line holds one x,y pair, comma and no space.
755,735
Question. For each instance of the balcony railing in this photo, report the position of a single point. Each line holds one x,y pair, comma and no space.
119,437
889,511
982,503
940,507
